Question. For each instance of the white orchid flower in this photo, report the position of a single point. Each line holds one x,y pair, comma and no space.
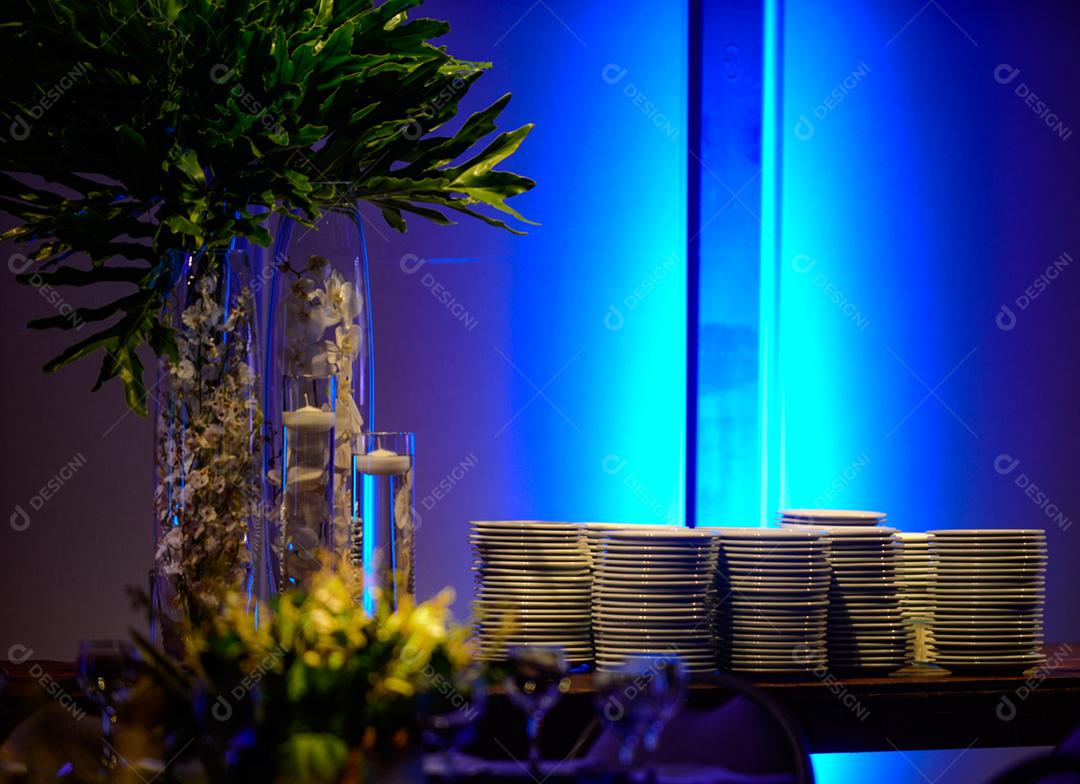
345,346
305,319
342,297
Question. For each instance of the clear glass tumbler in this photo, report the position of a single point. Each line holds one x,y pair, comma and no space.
384,517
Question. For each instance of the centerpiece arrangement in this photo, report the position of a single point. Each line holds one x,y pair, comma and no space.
324,692
161,148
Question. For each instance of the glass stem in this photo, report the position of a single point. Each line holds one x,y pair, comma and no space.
626,751
533,726
108,755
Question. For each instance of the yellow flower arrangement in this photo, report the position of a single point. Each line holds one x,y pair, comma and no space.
314,683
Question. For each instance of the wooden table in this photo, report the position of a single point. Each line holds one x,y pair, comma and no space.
909,710
928,709
917,710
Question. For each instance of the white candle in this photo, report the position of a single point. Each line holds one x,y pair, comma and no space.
382,462
309,418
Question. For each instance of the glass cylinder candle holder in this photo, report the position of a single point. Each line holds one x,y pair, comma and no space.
307,504
384,518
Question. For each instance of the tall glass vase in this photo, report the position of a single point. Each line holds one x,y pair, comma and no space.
321,329
208,421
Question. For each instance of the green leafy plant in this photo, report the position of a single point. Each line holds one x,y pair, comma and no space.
317,691
148,126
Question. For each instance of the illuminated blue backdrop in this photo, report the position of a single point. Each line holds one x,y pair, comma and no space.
926,178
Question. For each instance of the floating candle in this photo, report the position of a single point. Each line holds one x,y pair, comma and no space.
383,462
310,419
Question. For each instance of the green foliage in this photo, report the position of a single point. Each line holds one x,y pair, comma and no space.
144,126
318,680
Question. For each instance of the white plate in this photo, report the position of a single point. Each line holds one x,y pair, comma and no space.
600,528
987,594
660,534
964,573
645,610
514,539
766,634
989,541
692,591
691,657
558,598
945,533
559,584
1021,658
818,586
528,600
753,549
688,652
810,568
553,600
831,514
536,566
651,621
570,572
776,648
608,586
990,641
603,604
493,611
1001,543
499,610
536,574
526,549
990,549
649,554
988,633
604,574
634,636
645,551
578,647
990,578
770,535
857,612
614,642
525,524
796,623
945,618
845,532
948,622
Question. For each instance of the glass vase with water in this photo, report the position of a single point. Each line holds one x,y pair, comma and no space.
383,517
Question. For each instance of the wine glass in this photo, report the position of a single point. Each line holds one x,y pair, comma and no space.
669,695
535,682
448,713
629,698
106,673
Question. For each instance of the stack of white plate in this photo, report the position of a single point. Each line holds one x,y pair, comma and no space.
650,596
533,587
915,577
866,629
990,597
595,532
772,593
828,517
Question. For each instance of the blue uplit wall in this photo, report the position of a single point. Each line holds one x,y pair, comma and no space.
923,176
563,396
919,194
923,199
